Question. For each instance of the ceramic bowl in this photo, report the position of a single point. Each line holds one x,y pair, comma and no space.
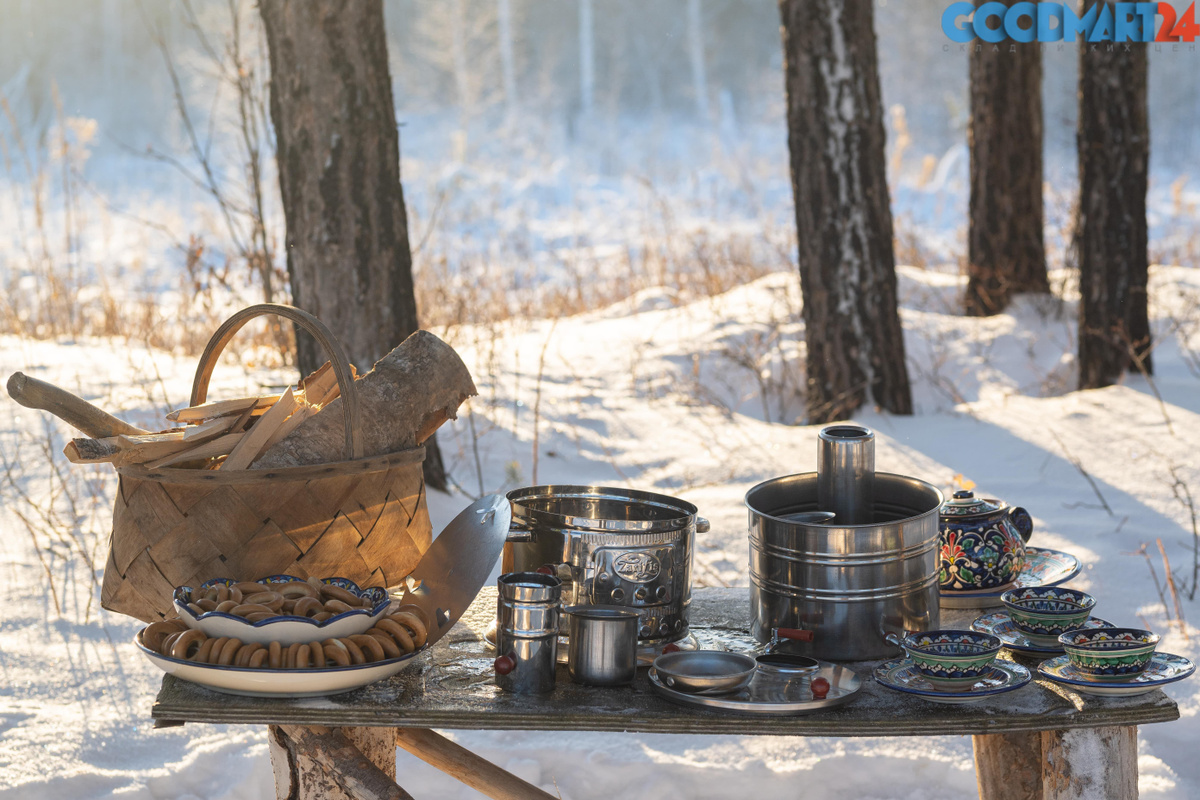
952,661
1043,613
1109,654
285,629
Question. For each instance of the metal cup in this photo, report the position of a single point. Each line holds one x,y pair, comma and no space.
602,644
527,612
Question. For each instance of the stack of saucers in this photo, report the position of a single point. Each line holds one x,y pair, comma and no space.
951,666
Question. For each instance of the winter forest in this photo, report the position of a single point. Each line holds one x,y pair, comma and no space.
601,216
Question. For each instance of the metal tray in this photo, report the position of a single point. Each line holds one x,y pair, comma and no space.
773,694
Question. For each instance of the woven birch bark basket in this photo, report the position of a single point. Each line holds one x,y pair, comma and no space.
362,518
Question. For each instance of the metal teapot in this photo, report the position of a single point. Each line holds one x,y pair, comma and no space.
982,542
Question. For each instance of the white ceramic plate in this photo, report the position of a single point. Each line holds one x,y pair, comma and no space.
284,629
277,682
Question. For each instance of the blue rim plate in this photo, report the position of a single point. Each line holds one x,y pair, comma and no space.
278,682
284,628
1043,567
1164,668
1000,625
901,675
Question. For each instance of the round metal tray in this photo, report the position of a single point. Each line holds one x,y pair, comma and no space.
773,694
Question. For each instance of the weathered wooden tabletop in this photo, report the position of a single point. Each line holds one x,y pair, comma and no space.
451,687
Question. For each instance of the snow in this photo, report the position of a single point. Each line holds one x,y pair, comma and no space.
651,394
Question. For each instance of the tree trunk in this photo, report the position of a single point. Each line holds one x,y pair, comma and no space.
1110,232
338,151
843,220
1005,251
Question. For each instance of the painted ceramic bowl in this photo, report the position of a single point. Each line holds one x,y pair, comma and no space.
1043,613
952,661
285,628
982,542
1109,654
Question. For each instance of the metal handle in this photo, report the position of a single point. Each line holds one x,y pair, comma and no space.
795,634
505,664
819,688
702,525
518,534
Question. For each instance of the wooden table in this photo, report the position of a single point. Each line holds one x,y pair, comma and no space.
1041,741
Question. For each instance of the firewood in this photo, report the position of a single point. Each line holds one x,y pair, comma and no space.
125,449
299,415
200,453
257,437
209,429
407,395
221,408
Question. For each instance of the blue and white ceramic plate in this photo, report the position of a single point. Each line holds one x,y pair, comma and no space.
285,628
999,624
278,682
1164,668
902,676
1043,567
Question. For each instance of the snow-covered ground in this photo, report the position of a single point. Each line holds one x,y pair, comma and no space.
695,400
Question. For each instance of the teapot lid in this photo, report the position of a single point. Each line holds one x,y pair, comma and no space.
966,504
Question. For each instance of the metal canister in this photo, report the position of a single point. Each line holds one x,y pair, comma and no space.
602,644
857,587
527,614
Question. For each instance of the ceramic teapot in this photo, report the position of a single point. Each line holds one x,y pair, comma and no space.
982,542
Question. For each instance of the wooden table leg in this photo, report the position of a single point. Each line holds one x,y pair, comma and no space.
1090,764
1008,766
459,762
319,763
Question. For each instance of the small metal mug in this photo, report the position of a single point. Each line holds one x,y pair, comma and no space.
527,613
602,644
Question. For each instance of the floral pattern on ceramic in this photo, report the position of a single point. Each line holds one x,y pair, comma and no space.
999,625
1043,613
1164,668
982,543
1109,654
952,661
1001,676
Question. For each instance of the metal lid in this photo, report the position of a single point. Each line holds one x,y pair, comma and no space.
599,509
966,504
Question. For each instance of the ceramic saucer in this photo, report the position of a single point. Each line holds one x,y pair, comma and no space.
999,624
1043,567
900,675
1164,668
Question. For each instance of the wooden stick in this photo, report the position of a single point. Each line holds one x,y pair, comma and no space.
124,449
211,449
256,438
209,429
75,411
459,762
221,408
341,766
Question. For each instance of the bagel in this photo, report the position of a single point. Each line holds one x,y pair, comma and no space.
242,659
357,656
214,652
331,592
250,587
417,611
226,606
337,654
302,657
307,606
257,659
185,642
207,605
317,650
414,625
168,641
155,632
272,600
275,655
205,651
250,608
228,651
338,607
397,632
390,648
296,589
322,616
369,646
289,657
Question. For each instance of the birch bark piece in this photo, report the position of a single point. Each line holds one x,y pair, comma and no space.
1090,764
319,763
405,398
1008,766
460,763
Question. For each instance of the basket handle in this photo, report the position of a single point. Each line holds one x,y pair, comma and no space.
324,337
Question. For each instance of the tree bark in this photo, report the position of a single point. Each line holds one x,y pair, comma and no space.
318,763
1008,766
843,219
1005,249
338,151
1110,232
1090,764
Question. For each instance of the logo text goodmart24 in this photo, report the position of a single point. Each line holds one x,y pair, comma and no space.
1056,22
